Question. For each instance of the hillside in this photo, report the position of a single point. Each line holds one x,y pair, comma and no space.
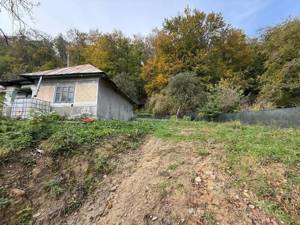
147,172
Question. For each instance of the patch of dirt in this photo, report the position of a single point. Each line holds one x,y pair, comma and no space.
163,182
167,182
188,131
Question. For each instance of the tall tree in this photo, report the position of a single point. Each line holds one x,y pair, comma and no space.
199,42
61,46
281,80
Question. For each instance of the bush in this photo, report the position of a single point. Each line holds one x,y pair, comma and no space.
187,91
20,135
161,105
54,188
223,98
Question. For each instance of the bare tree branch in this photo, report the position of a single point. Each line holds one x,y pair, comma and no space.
18,9
4,35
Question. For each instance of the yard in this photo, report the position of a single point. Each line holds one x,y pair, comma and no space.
148,172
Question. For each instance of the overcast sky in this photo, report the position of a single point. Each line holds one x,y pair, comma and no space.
142,16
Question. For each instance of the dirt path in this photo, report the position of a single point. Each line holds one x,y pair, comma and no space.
168,182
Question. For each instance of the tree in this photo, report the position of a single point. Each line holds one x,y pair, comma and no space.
61,46
17,9
188,92
121,58
26,54
198,42
281,79
224,97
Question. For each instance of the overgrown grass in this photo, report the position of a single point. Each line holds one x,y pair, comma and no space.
55,136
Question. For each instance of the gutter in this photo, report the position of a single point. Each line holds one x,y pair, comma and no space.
38,87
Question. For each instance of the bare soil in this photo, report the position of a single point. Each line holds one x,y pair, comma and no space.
162,182
168,182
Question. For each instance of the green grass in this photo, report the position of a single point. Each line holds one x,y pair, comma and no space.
54,188
56,136
274,209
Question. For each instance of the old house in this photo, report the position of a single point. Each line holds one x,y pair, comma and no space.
71,91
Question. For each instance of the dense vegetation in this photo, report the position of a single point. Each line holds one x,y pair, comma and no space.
250,73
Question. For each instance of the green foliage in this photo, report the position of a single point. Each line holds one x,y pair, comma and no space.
21,135
274,210
5,199
222,98
24,216
280,81
102,165
161,104
209,218
187,90
56,136
54,188
25,53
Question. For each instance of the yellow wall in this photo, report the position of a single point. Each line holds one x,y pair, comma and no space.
46,93
85,91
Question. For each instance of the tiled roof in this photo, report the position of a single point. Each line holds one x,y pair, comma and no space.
81,69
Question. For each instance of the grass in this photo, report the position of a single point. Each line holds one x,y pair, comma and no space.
24,216
274,209
103,165
55,136
209,218
54,188
250,150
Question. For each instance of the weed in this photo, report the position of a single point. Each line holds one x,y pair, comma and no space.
264,190
209,218
173,167
203,152
24,217
164,188
103,165
274,210
5,201
54,188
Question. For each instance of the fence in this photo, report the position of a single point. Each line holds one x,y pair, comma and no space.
22,108
289,117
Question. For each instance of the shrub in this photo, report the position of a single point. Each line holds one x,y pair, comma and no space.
223,98
187,91
161,104
54,188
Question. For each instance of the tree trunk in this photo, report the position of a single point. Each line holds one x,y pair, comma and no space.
178,112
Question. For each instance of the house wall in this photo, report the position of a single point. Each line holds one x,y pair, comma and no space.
85,96
112,105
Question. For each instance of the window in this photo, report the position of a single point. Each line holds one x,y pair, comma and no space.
64,94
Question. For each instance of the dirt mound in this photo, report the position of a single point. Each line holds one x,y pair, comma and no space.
162,182
168,182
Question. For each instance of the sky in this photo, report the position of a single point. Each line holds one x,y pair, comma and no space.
142,16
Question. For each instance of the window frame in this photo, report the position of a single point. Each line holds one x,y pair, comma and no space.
67,93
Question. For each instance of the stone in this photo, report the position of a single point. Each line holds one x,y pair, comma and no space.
191,210
17,192
251,206
198,180
36,215
154,218
114,188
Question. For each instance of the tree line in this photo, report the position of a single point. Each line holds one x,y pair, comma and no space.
196,63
